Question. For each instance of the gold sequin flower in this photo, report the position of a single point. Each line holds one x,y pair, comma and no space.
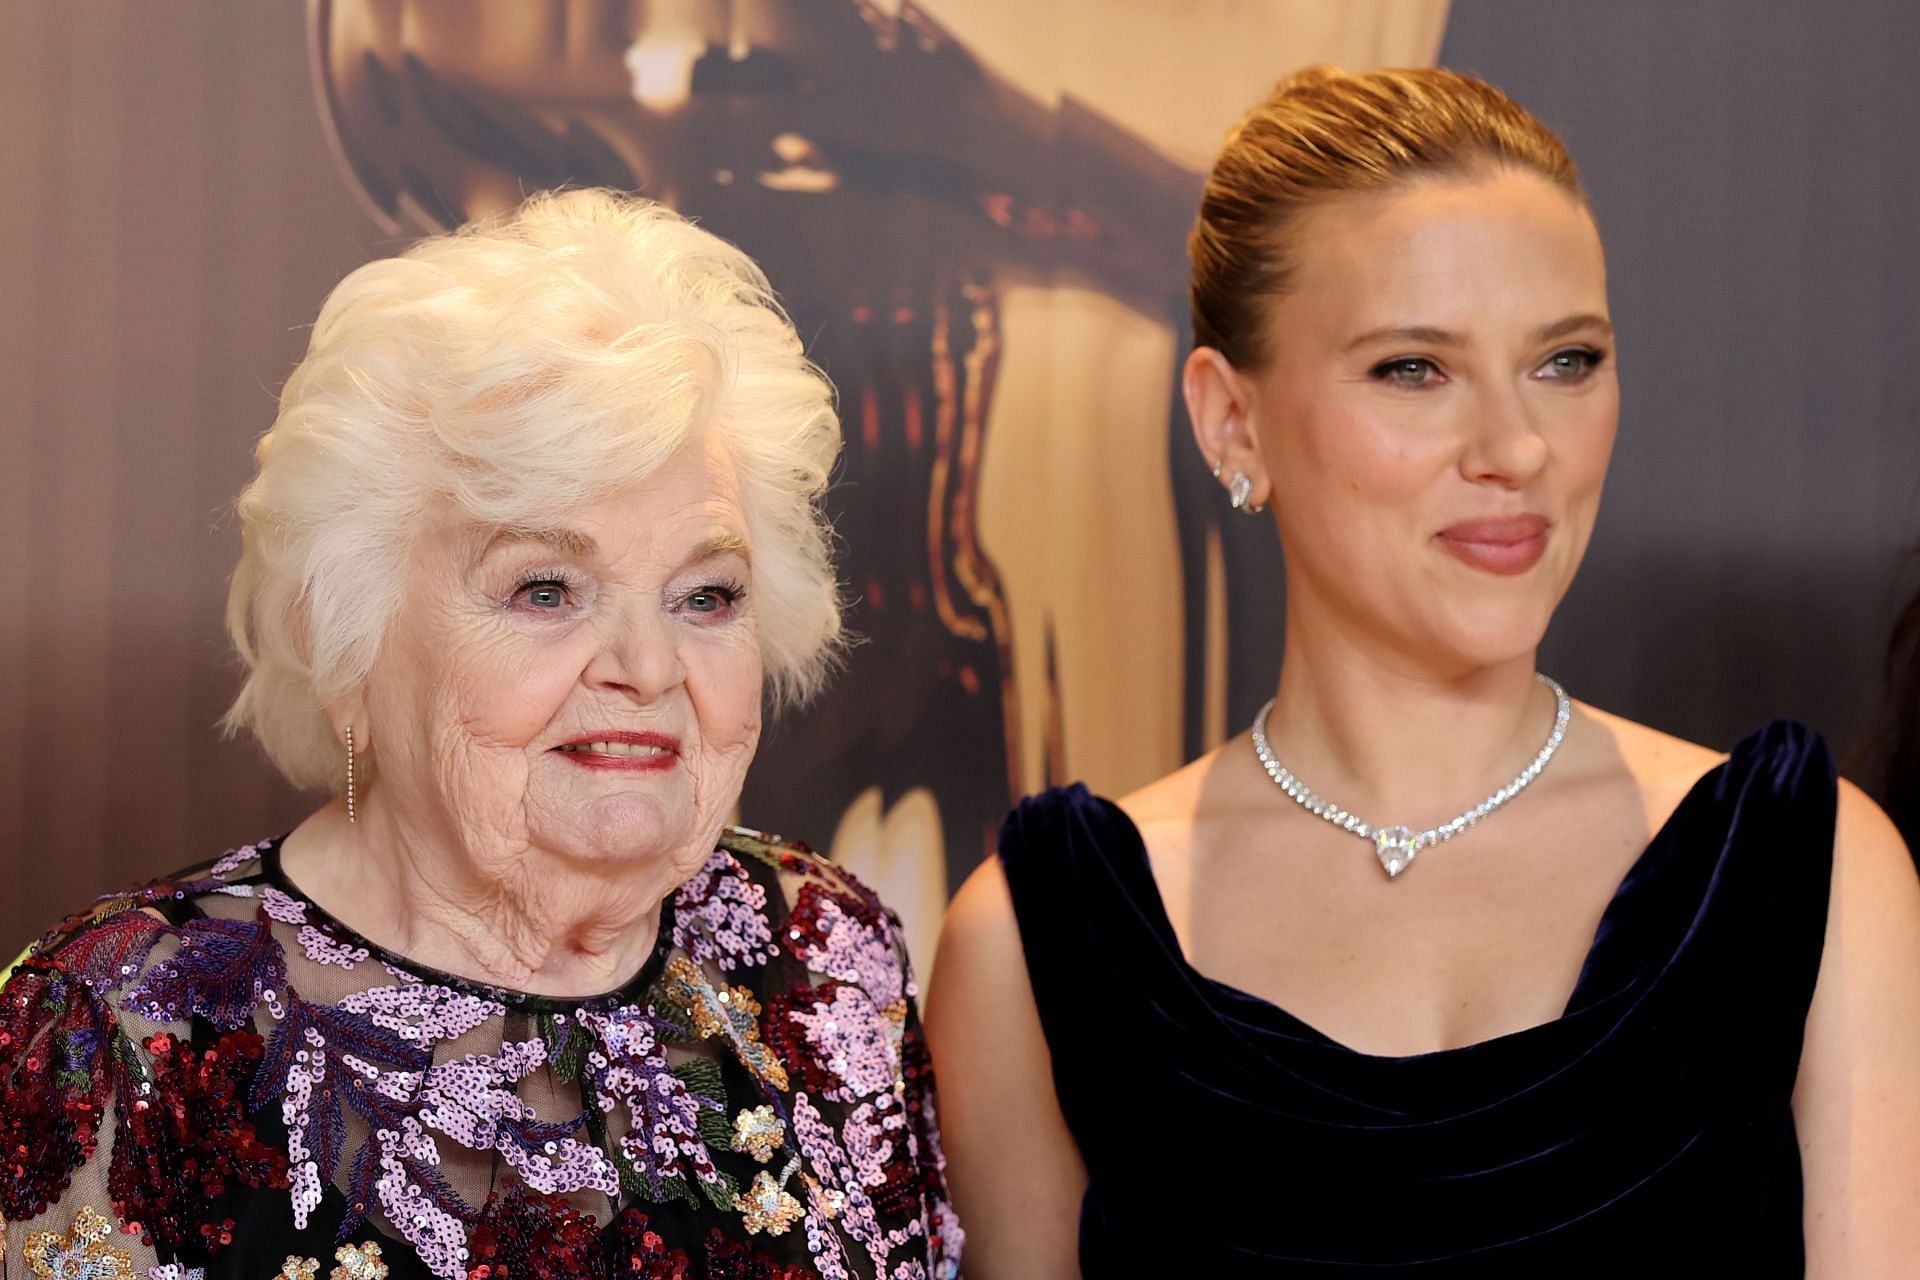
82,1254
359,1262
296,1268
758,1132
767,1208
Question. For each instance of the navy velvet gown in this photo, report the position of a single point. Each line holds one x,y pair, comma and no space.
1647,1131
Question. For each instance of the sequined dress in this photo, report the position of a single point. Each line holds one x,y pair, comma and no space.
1648,1131
212,1077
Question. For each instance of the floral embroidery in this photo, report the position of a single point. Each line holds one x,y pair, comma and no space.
720,916
359,1262
180,1146
851,1039
321,949
219,974
112,951
82,1254
645,1255
840,937
55,1039
282,907
861,1172
472,1101
759,1133
664,1155
525,1234
232,862
730,1012
767,1207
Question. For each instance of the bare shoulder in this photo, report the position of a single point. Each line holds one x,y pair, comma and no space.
1663,768
1167,809
1875,905
980,926
1654,757
1864,834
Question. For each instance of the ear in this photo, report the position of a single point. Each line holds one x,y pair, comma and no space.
1220,406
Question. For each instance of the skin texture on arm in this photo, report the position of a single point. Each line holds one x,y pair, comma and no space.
1015,1173
1855,1104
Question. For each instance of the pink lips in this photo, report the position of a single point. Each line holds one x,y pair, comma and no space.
622,750
1504,545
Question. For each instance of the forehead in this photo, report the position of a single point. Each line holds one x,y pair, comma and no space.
1495,251
690,504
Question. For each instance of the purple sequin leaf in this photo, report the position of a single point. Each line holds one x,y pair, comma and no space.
663,1155
720,915
316,1055
110,952
429,1214
424,1014
472,1101
395,1166
841,937
218,974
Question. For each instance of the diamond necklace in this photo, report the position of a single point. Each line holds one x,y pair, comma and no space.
1396,846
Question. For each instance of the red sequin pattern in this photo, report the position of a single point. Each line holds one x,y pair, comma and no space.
179,1145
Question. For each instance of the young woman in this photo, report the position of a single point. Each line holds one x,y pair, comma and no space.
1533,989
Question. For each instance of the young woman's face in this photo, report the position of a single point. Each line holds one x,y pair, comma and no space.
1438,410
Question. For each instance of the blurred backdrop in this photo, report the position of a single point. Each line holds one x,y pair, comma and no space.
975,210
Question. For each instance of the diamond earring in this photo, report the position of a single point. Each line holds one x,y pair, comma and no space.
351,816
1239,490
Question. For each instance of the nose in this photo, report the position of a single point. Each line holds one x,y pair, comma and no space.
1504,445
638,656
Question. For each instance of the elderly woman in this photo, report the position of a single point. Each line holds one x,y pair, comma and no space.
1433,971
533,539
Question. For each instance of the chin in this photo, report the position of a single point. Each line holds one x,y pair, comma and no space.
622,828
1492,636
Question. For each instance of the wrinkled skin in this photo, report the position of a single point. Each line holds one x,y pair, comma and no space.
483,848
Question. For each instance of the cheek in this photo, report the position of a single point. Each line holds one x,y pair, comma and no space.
505,690
1349,452
724,677
1585,447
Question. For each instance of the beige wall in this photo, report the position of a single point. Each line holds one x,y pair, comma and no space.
171,221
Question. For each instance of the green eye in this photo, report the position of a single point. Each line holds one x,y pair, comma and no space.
1406,371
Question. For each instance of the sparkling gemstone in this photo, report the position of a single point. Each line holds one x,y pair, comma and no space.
1396,847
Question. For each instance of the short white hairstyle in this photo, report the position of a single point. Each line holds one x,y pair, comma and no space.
518,368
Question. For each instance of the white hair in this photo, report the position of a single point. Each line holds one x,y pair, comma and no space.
519,367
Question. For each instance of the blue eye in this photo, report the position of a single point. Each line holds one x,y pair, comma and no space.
1406,371
712,599
544,594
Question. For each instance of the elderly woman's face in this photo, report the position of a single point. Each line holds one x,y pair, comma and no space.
591,688
1439,411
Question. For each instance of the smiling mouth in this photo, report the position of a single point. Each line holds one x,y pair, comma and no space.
616,749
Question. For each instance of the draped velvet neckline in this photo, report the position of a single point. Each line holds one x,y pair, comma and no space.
1646,1130
1134,864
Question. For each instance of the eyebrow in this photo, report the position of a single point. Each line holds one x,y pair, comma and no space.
1430,336
719,545
566,542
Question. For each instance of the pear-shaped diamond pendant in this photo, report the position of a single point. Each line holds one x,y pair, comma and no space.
1396,846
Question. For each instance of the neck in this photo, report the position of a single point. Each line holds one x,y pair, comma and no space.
1394,740
517,916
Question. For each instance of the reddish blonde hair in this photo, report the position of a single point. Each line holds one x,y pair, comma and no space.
1324,133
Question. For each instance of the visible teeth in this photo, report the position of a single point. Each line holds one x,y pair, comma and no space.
616,748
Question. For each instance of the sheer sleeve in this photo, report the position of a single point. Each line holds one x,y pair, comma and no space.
121,1133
